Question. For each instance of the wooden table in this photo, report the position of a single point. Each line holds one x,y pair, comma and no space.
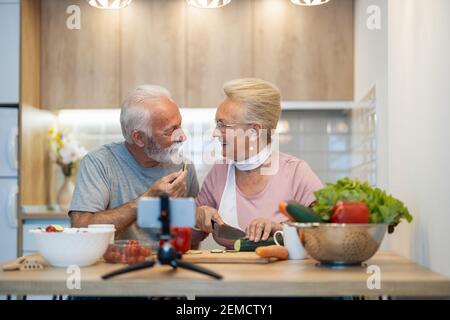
399,277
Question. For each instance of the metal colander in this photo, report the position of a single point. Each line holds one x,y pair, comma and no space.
340,244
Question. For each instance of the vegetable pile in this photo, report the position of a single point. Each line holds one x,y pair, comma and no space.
383,208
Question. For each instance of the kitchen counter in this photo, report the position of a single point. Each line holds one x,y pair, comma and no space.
399,277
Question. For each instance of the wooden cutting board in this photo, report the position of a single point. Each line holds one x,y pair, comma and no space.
207,256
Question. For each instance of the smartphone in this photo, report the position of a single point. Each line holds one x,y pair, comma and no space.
182,212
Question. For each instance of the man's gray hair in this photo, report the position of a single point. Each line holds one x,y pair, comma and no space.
133,115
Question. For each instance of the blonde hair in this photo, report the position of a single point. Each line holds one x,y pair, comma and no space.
261,98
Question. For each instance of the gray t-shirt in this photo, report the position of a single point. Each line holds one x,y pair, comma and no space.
109,177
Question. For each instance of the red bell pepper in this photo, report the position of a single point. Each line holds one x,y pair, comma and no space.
350,212
181,240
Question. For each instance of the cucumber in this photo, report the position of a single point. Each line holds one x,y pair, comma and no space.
247,245
301,213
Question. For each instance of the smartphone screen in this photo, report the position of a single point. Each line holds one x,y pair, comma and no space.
182,212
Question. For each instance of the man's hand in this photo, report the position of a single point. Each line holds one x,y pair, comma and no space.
204,215
173,184
261,228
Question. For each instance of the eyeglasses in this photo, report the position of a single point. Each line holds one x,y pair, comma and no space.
221,126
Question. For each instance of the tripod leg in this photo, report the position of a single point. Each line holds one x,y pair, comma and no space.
190,266
130,268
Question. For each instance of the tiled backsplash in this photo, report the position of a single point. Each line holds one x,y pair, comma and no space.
322,137
364,142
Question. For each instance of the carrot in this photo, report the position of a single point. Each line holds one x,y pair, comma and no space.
283,209
273,251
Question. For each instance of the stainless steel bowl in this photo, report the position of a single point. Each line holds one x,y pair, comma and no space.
340,244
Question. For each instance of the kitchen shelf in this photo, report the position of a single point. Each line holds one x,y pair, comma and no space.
43,213
316,105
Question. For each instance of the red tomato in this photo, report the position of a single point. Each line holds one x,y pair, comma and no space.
116,257
133,242
134,251
350,212
131,260
140,259
50,229
146,252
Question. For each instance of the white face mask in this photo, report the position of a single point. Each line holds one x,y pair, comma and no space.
154,151
255,161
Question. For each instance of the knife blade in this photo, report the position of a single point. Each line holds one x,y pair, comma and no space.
227,232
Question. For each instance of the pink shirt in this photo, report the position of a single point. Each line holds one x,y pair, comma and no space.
294,180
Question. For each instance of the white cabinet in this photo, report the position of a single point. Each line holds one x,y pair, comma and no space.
9,51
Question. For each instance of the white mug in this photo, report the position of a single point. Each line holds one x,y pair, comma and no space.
291,242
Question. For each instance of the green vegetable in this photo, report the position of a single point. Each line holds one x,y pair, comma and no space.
301,213
383,207
248,245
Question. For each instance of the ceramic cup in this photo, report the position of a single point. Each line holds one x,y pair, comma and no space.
291,242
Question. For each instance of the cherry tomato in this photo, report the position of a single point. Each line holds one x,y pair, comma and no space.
50,229
131,260
134,251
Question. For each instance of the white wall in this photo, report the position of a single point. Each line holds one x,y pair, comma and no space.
419,127
371,53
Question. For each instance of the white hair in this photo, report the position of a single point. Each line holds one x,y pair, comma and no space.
262,100
133,115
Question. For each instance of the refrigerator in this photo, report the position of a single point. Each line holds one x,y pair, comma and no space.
8,181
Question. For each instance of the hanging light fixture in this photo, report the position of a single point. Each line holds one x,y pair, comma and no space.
208,4
309,2
110,4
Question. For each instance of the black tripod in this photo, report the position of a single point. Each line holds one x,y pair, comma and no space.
167,255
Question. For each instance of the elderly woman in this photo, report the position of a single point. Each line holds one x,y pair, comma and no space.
245,190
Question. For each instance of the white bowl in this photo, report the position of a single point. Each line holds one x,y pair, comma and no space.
74,246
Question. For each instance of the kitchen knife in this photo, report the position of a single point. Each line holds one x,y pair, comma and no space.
227,232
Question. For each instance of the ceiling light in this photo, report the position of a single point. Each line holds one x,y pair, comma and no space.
309,2
208,4
109,4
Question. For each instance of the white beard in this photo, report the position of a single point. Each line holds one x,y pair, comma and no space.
154,151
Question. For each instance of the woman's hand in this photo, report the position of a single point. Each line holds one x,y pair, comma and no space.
204,215
261,228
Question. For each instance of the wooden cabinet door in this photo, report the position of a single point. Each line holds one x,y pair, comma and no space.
80,68
306,51
219,48
153,46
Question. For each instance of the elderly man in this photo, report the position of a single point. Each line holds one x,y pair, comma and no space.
112,178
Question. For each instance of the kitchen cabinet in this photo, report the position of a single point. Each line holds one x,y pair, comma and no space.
10,51
219,48
79,67
153,46
306,51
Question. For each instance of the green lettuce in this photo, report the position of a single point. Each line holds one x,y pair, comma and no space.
383,207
